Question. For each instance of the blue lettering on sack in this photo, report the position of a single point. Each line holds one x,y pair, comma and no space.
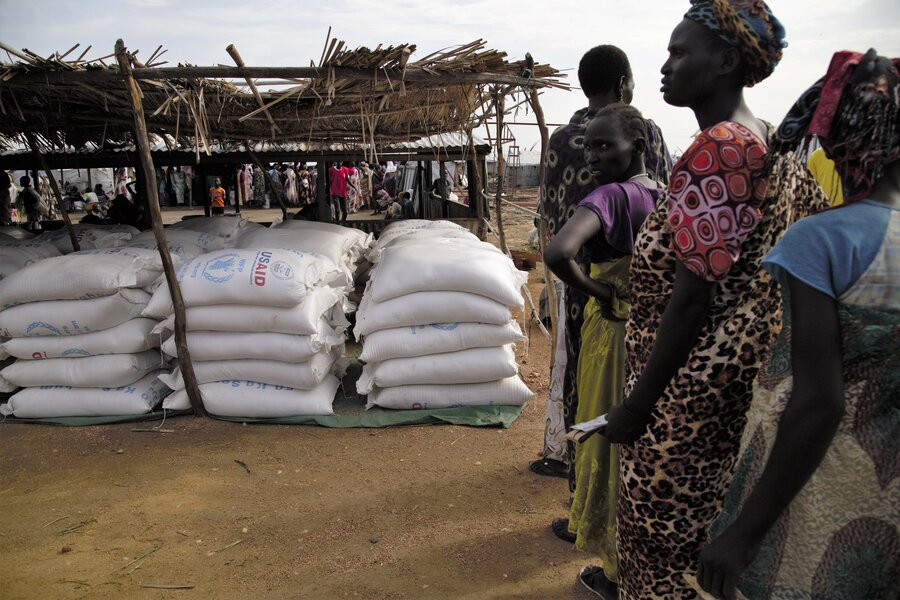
445,326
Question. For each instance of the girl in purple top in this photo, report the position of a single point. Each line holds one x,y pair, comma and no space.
606,222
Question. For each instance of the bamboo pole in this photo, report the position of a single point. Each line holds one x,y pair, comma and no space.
501,171
233,52
544,226
276,185
55,187
143,144
411,74
475,189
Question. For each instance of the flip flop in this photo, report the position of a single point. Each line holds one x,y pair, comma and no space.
560,527
549,467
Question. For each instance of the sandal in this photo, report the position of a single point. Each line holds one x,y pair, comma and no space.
549,467
560,527
596,581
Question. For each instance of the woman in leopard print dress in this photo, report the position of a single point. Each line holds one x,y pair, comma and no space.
703,311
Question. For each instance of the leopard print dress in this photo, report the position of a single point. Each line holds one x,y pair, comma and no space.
673,479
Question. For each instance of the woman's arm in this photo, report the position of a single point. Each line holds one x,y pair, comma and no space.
679,327
561,252
806,430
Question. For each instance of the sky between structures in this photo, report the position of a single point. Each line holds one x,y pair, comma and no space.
558,32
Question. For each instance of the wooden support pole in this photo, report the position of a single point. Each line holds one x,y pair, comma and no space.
322,187
544,226
501,171
476,190
55,187
276,185
233,52
143,144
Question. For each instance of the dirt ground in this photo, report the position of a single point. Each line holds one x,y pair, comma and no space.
235,511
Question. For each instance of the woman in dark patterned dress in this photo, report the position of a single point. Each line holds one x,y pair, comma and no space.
814,509
703,311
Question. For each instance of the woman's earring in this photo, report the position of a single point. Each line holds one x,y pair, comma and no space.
622,89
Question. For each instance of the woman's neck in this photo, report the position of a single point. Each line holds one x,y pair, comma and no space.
728,105
887,189
636,172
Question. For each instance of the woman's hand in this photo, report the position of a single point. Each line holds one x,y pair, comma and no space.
624,426
723,560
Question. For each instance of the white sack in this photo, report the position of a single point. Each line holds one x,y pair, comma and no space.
90,237
420,235
206,241
112,370
226,345
220,226
14,231
419,340
255,277
401,228
80,276
359,237
181,251
423,308
259,400
476,365
510,391
128,338
337,247
64,401
303,376
302,319
73,317
16,256
431,267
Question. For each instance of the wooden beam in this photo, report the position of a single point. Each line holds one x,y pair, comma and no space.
410,74
55,187
501,171
543,225
233,52
143,143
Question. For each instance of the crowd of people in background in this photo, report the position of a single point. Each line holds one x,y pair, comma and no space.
352,187
734,319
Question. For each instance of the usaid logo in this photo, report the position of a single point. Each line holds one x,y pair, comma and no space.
282,270
221,268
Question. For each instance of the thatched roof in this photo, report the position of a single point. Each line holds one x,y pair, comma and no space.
363,98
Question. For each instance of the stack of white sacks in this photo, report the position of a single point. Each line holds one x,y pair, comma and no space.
265,329
436,322
74,323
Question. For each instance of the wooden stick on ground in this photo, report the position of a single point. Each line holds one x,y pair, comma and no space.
143,144
55,187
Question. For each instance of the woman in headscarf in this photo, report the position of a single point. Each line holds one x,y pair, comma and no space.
814,509
703,311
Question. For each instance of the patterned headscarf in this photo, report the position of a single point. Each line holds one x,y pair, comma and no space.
853,110
749,26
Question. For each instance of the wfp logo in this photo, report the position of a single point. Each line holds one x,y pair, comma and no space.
220,269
